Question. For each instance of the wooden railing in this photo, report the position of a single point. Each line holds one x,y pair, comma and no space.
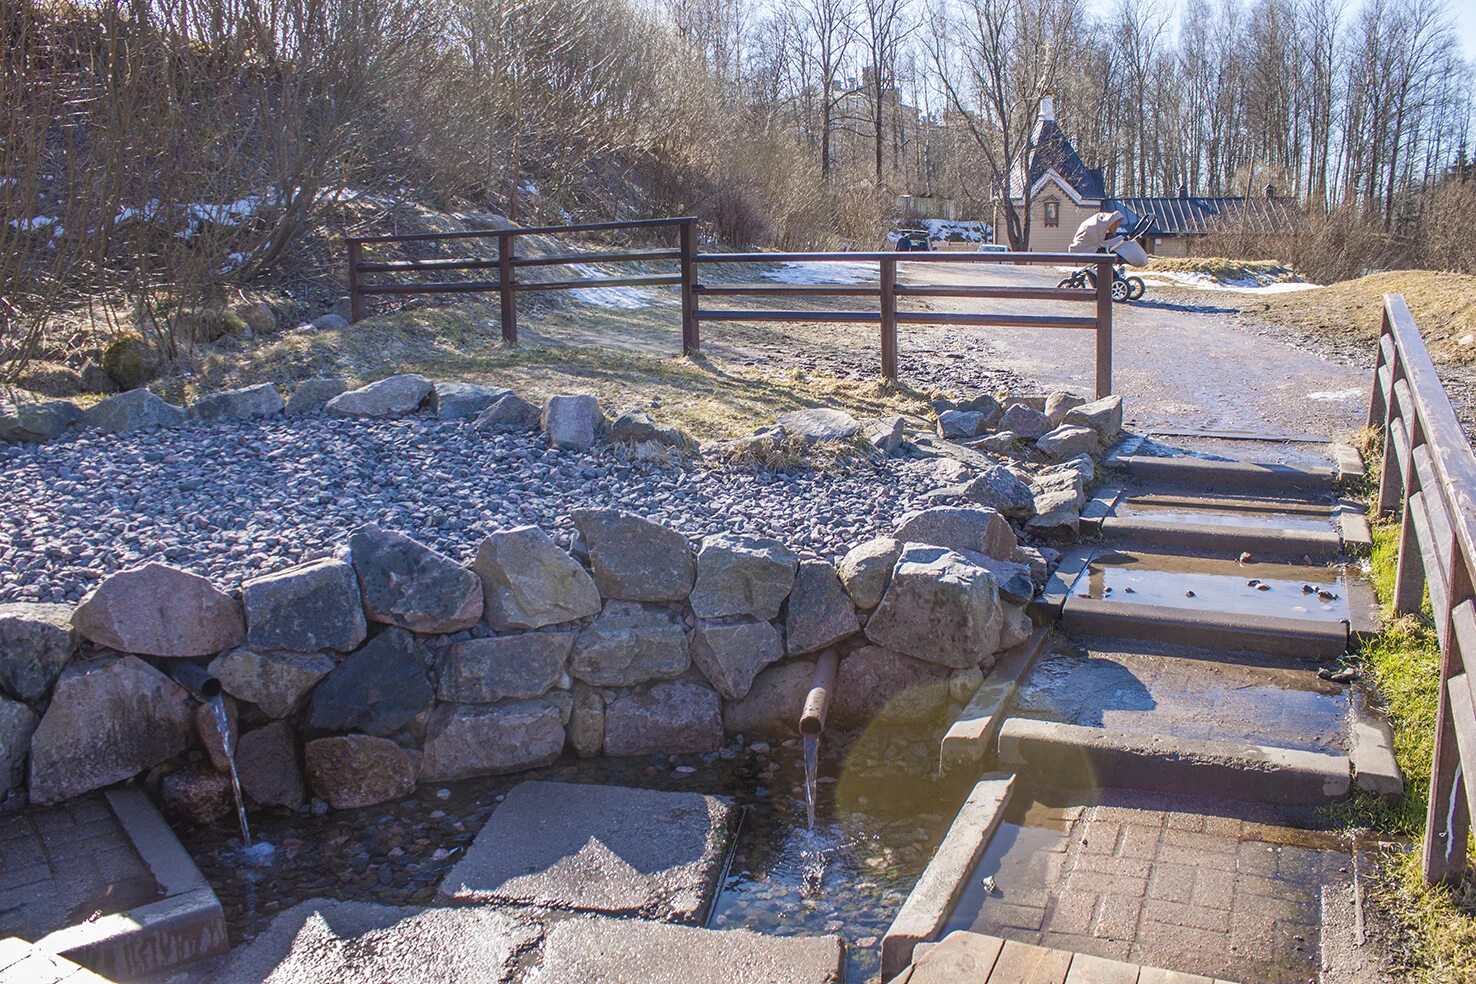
1429,478
886,292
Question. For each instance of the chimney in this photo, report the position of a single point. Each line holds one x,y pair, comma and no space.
1184,190
1048,108
1270,191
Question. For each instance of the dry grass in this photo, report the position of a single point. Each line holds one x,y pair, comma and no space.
708,397
1443,304
1223,269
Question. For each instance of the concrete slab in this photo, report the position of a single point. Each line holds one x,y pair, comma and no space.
607,849
22,963
969,743
323,941
925,913
596,950
1223,476
1087,758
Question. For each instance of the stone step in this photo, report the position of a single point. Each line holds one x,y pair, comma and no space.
1257,478
1213,603
1218,526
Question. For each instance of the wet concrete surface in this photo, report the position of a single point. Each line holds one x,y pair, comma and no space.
1183,694
1267,517
1184,883
1216,585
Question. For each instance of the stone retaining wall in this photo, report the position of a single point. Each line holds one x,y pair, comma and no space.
351,678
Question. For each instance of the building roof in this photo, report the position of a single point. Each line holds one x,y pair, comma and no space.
1053,152
1194,215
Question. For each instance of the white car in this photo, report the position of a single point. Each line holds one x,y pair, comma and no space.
994,248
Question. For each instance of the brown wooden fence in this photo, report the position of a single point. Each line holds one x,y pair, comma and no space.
886,293
1429,478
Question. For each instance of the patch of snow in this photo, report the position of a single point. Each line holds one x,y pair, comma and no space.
1203,281
625,298
38,222
233,263
825,273
1337,396
528,187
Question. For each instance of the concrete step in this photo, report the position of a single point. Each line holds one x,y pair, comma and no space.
1212,603
1257,478
1218,525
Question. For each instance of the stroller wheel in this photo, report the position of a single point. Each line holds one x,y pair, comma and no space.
1136,287
1121,290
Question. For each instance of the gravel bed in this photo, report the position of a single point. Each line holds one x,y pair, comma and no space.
232,501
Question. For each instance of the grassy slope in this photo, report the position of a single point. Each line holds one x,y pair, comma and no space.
1444,306
1403,666
1222,269
708,398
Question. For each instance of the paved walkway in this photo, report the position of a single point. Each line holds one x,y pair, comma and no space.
983,959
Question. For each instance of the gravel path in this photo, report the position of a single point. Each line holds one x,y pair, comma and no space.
232,501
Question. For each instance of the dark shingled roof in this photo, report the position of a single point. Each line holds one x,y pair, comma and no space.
1198,214
1053,152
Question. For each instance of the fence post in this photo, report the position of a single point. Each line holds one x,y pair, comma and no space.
889,318
691,336
1104,328
506,290
1447,819
355,255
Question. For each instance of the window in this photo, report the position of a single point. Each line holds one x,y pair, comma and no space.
1052,213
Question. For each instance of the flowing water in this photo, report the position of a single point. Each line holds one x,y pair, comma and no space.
223,726
812,769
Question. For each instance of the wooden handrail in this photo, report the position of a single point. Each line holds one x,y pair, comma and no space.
1429,478
887,291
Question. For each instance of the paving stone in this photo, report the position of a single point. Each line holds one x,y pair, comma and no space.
607,849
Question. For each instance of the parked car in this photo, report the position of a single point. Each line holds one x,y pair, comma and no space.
993,248
913,241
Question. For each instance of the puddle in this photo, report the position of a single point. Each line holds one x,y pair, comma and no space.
1147,878
1216,585
1187,697
880,814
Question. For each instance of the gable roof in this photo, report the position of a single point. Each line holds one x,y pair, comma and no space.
1053,152
1198,214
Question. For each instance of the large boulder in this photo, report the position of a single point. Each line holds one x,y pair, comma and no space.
276,682
940,607
36,641
973,528
313,395
634,559
1026,422
773,704
877,683
866,569
377,690
465,740
1012,578
1103,416
266,762
391,397
1068,441
36,420
17,725
955,425
885,434
315,605
158,610
482,671
196,794
732,652
458,401
1058,515
819,424
742,575
405,583
358,770
572,422
1061,481
999,488
669,718
135,410
630,643
528,582
819,613
261,400
509,414
637,427
110,718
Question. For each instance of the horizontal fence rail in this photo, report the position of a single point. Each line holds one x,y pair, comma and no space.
1429,480
886,292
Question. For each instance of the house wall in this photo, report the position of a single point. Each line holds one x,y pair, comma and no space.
1044,238
1173,246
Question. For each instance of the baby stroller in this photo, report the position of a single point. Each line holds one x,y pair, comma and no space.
1128,248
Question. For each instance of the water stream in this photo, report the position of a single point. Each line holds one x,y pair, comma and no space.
223,726
812,768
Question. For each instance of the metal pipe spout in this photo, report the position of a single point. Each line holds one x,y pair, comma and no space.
822,688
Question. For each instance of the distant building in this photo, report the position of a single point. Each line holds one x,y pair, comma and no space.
1065,192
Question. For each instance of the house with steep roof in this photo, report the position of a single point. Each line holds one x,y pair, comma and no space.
1064,192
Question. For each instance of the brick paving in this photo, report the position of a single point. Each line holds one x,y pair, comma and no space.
1146,879
62,864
